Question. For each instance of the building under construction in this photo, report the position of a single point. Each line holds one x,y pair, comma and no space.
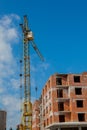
2,120
63,103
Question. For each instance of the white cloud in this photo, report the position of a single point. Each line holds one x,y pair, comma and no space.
5,21
8,20
1,90
12,34
38,65
5,53
12,106
8,68
9,81
8,34
12,101
15,83
15,16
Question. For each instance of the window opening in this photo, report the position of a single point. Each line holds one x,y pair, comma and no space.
49,84
79,103
44,123
46,109
58,81
50,106
78,91
77,79
47,122
46,88
49,95
61,118
50,119
46,98
59,93
81,117
61,106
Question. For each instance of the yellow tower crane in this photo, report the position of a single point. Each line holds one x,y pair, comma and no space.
26,122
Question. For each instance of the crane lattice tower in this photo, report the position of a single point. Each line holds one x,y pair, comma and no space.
26,122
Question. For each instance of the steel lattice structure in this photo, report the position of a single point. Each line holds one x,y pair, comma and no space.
26,123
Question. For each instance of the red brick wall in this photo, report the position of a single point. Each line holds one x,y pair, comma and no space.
35,115
70,109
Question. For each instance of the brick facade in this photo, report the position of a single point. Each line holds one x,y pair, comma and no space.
64,101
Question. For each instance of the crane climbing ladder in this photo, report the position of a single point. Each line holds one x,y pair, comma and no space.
26,119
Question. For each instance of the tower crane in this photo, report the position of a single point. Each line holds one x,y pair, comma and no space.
26,123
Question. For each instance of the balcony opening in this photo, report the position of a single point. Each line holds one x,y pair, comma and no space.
44,124
81,117
43,112
46,109
47,122
50,119
77,79
43,91
46,88
61,106
71,128
78,91
84,128
79,103
58,81
49,84
50,106
50,95
46,98
59,93
61,118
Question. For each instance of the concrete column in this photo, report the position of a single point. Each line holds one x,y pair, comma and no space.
80,128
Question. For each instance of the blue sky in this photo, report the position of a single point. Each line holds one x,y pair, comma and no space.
60,32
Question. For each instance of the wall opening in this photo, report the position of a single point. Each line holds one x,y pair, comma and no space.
77,79
79,103
58,81
47,122
50,95
81,117
46,109
50,119
61,106
71,128
84,128
44,124
59,93
49,84
61,118
78,91
50,106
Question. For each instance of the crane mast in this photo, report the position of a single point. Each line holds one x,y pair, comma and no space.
26,123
